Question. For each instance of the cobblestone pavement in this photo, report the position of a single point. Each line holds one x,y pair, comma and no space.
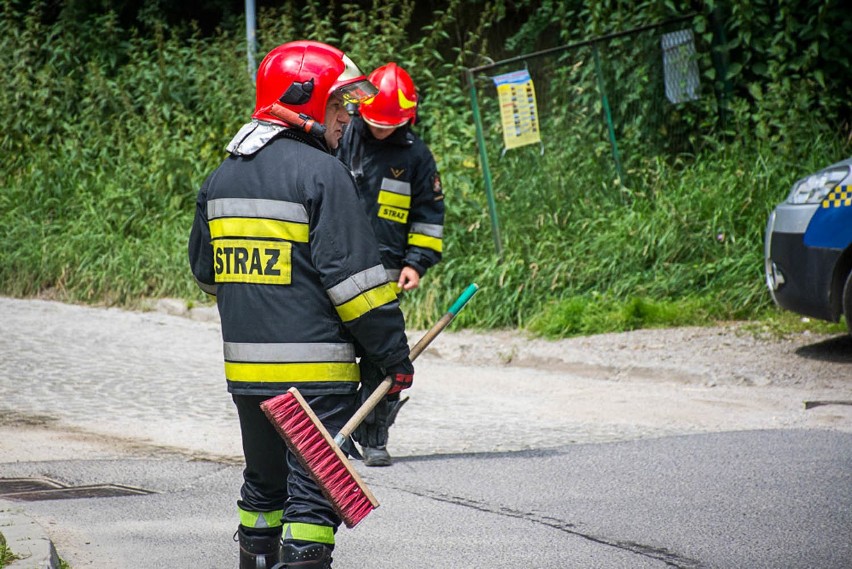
146,376
157,378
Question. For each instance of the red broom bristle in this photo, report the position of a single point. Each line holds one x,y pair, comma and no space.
315,449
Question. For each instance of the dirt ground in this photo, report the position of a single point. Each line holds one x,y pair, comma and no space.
724,355
652,383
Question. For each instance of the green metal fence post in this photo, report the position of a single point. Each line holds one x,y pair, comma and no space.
608,113
486,171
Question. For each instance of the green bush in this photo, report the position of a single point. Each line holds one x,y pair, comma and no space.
108,130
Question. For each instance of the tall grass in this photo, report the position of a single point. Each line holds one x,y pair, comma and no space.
686,247
104,148
107,133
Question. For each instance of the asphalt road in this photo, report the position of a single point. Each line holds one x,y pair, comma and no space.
102,397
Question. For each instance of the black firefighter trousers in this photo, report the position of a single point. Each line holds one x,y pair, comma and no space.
273,479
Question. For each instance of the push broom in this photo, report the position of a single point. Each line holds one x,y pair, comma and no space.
320,454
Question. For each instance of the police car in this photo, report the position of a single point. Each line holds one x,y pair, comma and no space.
808,246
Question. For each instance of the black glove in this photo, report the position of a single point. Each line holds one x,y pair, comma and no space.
402,374
373,430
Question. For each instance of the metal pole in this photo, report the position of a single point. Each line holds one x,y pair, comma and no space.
251,38
486,171
607,113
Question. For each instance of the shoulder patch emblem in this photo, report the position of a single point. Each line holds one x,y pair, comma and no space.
436,184
397,172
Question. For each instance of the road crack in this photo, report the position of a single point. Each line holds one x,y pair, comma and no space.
669,558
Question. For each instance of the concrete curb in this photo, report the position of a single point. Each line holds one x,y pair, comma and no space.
26,539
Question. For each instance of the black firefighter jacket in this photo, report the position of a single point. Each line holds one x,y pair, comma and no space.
401,190
280,238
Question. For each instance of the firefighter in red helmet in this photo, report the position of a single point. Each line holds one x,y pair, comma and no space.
402,194
279,238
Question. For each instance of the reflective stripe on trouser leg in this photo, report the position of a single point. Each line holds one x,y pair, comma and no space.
308,532
260,520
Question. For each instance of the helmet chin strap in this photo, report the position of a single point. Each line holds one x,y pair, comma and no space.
298,120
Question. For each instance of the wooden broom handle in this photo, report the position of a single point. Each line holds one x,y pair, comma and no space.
378,394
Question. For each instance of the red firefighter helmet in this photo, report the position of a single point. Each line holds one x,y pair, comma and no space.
301,76
396,102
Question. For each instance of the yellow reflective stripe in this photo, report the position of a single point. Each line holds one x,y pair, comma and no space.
349,288
397,200
393,213
426,242
252,261
260,519
354,285
291,372
260,228
366,302
405,102
308,532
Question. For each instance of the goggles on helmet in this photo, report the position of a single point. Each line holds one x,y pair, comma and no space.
351,84
357,92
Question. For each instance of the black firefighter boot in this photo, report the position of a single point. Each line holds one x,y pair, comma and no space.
305,555
259,548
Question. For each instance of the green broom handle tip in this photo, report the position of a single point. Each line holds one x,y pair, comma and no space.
463,298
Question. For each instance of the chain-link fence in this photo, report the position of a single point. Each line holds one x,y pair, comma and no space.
614,101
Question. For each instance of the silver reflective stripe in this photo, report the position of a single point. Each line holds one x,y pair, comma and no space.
252,137
209,289
396,186
393,275
430,229
357,283
268,209
271,353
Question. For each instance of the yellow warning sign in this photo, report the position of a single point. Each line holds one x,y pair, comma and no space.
518,112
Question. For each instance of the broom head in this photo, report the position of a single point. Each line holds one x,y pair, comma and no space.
309,440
